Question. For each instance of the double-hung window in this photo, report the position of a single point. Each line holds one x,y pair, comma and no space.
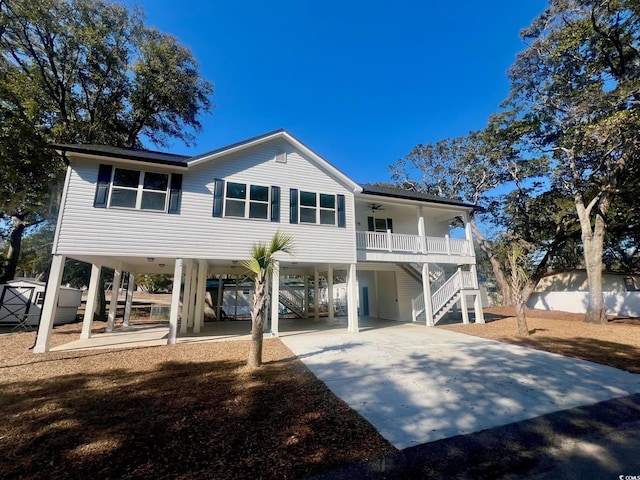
127,188
246,201
139,190
317,208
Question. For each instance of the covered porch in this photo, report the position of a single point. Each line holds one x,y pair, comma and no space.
190,297
156,334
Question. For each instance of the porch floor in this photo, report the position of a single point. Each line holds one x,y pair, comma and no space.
155,334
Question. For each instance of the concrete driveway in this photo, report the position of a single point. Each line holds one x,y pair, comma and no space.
418,384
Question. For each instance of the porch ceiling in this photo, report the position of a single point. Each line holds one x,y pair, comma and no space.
400,206
166,265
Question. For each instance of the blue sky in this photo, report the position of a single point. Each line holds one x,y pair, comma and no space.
358,82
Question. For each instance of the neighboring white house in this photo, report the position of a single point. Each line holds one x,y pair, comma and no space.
198,217
569,291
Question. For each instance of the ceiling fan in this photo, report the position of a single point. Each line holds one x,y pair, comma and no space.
376,206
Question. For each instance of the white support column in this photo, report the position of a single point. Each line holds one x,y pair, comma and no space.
175,302
464,307
187,305
198,319
352,299
50,304
316,293
477,302
113,305
275,294
477,309
330,302
421,230
92,297
468,234
131,283
426,292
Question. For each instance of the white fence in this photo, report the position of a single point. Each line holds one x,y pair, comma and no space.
617,303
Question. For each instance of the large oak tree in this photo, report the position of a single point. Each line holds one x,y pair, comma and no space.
83,71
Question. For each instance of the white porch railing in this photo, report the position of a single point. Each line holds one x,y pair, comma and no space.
460,280
403,242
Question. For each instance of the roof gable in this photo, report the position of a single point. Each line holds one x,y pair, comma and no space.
280,134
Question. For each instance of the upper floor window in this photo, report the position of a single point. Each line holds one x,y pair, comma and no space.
136,189
139,190
243,200
317,208
246,201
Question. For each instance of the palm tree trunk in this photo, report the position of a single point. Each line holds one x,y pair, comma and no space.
258,314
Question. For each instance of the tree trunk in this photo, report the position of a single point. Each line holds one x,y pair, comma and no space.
593,249
518,299
102,300
593,244
13,253
258,314
496,265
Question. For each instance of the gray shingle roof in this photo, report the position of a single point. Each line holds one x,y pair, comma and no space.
148,156
369,189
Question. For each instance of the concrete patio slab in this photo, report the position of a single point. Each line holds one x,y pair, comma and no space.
418,385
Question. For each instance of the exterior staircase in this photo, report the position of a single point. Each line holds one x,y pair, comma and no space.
292,300
445,296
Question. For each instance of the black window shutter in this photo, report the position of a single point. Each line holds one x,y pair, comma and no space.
275,204
218,193
390,224
175,193
342,215
370,225
293,205
102,189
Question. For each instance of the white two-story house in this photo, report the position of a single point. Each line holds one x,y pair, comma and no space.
196,218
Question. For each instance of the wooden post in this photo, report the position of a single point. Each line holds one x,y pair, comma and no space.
50,305
92,297
316,293
305,296
113,305
175,302
219,299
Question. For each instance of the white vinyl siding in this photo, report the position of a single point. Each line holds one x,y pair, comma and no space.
195,233
387,291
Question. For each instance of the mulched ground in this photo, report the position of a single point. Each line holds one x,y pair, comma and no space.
195,411
185,411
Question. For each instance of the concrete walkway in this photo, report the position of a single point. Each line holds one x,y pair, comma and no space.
418,385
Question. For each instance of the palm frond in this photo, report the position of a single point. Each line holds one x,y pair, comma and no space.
262,254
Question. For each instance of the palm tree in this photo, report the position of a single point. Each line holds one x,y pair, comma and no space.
261,264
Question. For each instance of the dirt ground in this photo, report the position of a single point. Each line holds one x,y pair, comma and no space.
616,343
195,410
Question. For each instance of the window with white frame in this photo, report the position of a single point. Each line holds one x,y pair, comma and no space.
139,190
246,201
319,208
